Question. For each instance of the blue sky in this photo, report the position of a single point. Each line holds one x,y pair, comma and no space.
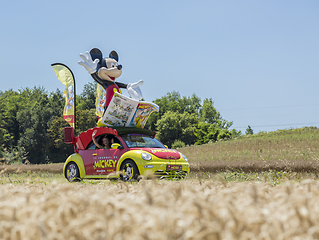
257,60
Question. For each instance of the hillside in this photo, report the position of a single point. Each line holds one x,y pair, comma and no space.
284,150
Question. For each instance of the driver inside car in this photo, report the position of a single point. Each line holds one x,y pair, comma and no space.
106,142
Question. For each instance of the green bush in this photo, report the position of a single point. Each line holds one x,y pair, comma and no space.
178,144
16,155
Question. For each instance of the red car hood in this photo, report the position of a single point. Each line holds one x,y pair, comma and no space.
163,153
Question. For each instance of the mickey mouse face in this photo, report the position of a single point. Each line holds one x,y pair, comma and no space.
111,71
111,63
109,68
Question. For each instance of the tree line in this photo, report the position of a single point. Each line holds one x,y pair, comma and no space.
32,124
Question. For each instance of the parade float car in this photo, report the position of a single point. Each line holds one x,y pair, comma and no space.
135,152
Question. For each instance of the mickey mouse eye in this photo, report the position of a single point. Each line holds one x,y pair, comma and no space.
112,64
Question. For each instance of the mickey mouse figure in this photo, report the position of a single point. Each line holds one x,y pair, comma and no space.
105,71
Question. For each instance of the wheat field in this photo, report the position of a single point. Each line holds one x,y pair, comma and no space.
188,209
255,187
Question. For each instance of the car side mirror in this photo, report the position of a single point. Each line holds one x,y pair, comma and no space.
165,146
116,146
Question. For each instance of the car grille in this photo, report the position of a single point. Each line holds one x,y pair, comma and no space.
170,174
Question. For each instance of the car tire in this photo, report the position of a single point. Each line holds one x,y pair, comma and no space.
72,172
129,170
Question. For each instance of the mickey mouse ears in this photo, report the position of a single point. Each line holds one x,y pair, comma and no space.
97,54
114,55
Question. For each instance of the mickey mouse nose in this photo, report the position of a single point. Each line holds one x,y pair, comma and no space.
119,67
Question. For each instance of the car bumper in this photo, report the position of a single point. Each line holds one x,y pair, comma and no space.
165,170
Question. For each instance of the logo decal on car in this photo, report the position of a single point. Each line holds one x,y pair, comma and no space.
104,163
162,151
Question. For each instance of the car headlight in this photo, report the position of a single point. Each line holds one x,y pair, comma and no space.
146,156
184,157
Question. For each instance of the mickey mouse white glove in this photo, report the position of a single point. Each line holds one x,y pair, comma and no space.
134,90
88,63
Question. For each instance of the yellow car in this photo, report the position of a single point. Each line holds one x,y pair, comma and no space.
134,152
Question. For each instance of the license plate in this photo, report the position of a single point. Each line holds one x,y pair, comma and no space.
174,167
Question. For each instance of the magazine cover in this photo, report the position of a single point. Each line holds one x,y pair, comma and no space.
126,112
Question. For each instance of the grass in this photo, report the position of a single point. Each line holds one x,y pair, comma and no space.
271,177
31,178
24,168
283,150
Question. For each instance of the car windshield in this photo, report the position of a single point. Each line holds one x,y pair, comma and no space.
140,140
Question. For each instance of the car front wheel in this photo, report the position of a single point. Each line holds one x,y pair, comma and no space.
72,172
129,170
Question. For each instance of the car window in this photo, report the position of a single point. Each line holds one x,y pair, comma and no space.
140,140
91,145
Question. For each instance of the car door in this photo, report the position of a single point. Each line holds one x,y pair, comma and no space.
101,161
88,157
104,161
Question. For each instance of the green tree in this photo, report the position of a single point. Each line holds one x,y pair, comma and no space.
206,132
12,103
58,150
185,116
2,127
249,130
85,119
32,119
177,126
15,102
208,112
86,100
178,144
33,124
56,103
173,102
